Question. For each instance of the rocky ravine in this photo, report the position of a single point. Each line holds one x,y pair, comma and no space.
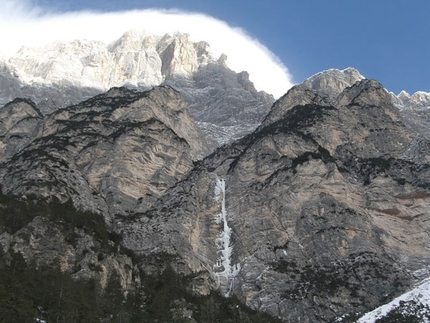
321,213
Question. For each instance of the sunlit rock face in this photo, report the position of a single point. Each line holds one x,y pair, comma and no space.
135,59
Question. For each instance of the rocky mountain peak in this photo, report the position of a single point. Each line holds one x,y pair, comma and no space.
414,110
418,101
179,55
333,81
361,92
225,104
322,89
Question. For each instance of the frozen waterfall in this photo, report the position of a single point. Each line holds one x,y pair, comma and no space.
223,268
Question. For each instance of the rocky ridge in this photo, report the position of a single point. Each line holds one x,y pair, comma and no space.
91,67
418,100
413,108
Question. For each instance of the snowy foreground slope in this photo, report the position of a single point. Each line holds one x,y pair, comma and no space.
415,303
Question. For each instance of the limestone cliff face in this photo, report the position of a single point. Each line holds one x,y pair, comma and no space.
328,210
83,67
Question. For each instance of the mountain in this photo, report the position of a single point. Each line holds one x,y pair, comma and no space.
224,103
118,209
413,108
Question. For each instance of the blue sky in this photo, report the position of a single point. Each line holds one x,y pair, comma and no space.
385,40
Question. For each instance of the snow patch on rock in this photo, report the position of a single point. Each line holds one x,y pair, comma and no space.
419,296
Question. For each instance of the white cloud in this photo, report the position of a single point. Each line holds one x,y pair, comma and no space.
24,24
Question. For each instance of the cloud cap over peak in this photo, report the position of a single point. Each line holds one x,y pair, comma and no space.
24,24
